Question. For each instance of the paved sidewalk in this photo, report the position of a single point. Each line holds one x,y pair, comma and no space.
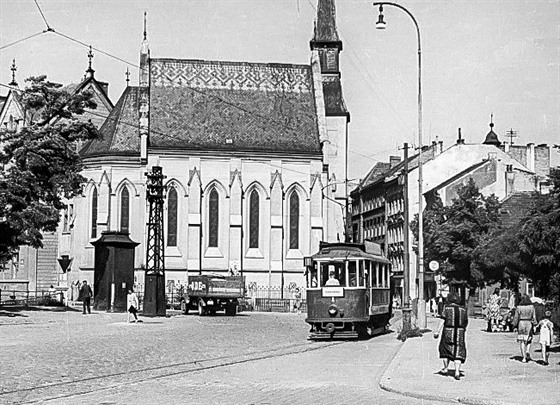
492,374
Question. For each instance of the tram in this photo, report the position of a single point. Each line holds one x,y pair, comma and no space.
348,291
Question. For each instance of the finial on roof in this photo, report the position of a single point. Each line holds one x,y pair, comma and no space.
13,68
90,71
145,32
491,120
127,73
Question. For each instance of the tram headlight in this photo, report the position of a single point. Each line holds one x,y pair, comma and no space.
333,310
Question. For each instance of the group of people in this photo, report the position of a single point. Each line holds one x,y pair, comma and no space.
132,303
452,329
527,327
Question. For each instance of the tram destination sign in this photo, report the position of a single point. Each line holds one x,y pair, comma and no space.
333,292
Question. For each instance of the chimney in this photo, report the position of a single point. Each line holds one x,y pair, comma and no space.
394,160
440,144
460,140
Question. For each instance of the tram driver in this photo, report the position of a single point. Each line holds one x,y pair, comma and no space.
332,281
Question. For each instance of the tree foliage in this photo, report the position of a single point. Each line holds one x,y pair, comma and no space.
453,233
538,240
40,164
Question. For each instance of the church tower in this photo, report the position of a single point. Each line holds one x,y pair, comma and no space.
144,93
326,47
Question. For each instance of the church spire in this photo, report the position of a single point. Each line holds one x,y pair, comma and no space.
325,34
13,68
144,57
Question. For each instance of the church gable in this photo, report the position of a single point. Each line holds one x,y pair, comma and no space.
118,134
232,106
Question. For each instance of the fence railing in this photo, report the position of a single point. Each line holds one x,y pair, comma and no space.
26,297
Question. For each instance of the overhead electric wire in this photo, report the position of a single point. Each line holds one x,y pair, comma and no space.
96,49
43,15
23,39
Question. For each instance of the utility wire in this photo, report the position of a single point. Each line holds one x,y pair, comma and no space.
94,48
43,15
23,39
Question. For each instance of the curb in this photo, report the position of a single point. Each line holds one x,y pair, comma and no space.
386,384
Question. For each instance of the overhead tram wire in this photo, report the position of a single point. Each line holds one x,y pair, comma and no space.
43,15
23,39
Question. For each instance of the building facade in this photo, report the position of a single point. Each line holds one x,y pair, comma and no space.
378,202
249,151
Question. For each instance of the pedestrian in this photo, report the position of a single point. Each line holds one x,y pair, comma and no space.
546,329
85,295
297,303
440,304
452,328
525,319
132,305
493,305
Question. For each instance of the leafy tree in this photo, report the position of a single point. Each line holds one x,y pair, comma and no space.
40,165
539,242
452,233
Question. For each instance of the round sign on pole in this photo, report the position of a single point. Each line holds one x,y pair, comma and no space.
433,265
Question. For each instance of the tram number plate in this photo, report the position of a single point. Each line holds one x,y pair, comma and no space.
333,292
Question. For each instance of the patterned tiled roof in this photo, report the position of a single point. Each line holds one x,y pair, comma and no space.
198,104
119,134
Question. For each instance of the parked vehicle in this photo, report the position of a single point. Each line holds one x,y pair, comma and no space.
214,292
358,303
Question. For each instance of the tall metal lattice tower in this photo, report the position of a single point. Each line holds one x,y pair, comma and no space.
154,290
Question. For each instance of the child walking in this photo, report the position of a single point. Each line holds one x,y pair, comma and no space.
132,304
546,332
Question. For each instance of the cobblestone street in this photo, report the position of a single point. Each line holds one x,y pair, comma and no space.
253,358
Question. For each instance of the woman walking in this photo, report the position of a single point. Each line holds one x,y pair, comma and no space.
452,347
526,320
493,307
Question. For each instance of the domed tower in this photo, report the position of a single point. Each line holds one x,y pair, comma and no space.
491,137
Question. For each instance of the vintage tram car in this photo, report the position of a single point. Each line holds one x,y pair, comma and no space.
348,291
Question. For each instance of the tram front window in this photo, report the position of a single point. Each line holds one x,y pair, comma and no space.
333,274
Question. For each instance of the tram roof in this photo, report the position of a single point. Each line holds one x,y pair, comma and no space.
345,252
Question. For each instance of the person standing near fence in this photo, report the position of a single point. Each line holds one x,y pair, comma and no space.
85,295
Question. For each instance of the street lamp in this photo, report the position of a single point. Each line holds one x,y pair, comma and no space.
420,262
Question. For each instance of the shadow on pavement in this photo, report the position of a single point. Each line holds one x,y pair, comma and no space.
15,311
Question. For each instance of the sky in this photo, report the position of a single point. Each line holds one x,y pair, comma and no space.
482,57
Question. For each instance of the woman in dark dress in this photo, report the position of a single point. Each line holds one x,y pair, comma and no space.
452,344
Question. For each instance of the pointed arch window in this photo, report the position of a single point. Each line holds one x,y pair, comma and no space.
94,213
125,210
294,220
254,219
172,217
213,218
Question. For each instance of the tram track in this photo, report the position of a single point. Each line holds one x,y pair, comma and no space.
71,389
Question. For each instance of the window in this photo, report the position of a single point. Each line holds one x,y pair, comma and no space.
94,213
125,210
294,221
213,219
254,219
172,217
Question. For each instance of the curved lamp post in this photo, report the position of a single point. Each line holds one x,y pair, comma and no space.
381,24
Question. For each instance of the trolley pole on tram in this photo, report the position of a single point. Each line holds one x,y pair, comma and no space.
420,258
